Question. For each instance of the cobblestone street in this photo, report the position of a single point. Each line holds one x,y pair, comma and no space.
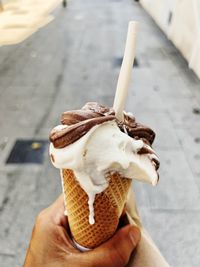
75,59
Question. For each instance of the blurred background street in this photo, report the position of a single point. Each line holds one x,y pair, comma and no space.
74,59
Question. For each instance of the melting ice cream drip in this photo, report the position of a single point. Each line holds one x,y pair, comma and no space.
91,186
91,199
65,201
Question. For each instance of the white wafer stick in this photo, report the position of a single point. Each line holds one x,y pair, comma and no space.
125,72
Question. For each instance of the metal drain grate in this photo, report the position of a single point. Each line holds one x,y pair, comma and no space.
118,62
27,151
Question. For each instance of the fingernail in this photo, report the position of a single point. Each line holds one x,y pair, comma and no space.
135,235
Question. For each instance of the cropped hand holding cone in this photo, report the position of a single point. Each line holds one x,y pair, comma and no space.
51,244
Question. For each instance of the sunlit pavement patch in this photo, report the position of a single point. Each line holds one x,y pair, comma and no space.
19,20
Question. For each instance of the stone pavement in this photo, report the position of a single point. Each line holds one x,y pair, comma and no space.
73,60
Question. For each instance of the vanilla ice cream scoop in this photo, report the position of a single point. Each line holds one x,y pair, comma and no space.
93,144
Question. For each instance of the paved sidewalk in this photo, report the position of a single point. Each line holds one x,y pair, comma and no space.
73,60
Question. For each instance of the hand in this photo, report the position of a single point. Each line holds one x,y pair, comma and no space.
51,245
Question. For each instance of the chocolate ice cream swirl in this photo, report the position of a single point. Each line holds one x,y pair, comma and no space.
77,123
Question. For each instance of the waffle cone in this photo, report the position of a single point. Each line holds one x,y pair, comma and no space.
108,207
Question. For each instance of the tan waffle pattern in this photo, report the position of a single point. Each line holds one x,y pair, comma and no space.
108,207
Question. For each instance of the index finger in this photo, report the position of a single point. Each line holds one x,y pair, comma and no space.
56,212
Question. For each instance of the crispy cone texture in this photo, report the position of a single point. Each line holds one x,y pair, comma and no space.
108,207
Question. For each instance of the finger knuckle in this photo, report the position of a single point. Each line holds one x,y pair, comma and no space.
40,218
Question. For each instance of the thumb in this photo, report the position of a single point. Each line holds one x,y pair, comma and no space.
122,244
117,250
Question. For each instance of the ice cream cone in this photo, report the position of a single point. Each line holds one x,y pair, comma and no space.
108,207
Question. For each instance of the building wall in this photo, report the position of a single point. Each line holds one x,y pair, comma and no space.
180,20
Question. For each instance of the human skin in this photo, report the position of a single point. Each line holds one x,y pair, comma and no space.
52,246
